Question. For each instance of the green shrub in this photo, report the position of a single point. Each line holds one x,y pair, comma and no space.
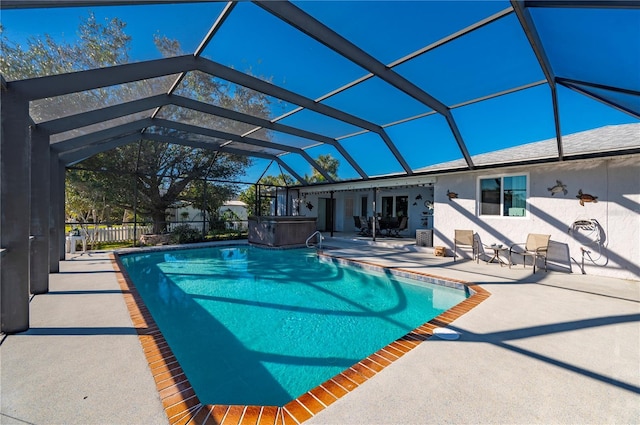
184,233
217,225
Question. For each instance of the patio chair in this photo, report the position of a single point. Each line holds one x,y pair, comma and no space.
383,226
366,226
464,239
481,249
378,225
536,246
363,228
402,225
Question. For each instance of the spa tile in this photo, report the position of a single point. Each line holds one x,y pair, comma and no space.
297,410
268,415
234,414
167,379
181,387
218,413
187,417
251,415
355,376
201,416
393,349
372,364
385,355
332,387
182,406
363,370
285,418
345,382
323,395
310,402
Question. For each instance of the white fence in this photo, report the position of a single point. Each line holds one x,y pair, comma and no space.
116,234
125,233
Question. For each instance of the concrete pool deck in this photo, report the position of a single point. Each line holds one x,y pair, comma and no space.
544,348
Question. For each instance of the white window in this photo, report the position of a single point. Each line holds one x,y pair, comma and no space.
504,196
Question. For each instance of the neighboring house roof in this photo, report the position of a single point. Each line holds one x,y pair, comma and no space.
234,204
608,139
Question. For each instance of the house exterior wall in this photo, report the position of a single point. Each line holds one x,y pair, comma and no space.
193,216
616,183
238,209
185,215
420,217
312,200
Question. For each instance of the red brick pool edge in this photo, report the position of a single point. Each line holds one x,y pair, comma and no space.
182,406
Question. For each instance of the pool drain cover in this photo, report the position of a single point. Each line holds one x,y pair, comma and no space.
446,333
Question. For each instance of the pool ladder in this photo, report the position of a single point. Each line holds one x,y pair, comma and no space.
320,239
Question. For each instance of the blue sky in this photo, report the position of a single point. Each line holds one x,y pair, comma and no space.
590,44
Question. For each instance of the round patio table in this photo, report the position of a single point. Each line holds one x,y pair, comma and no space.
497,250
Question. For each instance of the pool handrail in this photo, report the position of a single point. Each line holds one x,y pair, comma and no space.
320,239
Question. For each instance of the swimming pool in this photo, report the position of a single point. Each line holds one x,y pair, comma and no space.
257,326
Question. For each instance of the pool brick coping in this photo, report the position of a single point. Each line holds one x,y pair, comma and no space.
182,406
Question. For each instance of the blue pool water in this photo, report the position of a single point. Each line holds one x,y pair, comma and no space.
262,327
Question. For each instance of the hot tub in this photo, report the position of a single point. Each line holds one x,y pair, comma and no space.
279,231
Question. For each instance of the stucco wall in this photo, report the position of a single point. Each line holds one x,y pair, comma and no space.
616,183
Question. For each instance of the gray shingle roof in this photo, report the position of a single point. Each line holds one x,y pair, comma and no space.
604,139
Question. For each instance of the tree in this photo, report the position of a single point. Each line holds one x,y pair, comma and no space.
160,173
86,203
209,197
98,45
163,174
330,165
250,196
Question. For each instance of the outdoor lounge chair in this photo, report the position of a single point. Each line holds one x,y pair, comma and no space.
464,239
536,246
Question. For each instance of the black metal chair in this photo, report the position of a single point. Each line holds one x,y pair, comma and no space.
385,224
401,225
362,226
